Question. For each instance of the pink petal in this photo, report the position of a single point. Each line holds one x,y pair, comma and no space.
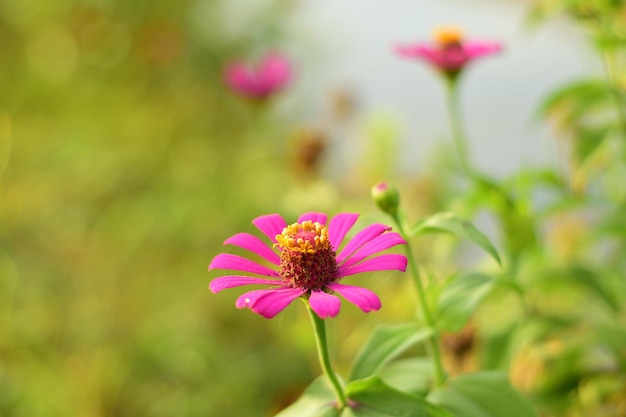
274,72
237,263
268,302
380,263
314,217
339,226
361,297
325,305
235,75
249,298
240,79
420,50
231,281
271,225
476,49
378,244
449,58
254,244
361,238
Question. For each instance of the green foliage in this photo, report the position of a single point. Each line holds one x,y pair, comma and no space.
373,398
581,109
451,223
459,299
317,400
413,375
386,343
369,397
482,394
588,280
121,173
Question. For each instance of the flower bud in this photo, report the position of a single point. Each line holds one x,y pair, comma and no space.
386,197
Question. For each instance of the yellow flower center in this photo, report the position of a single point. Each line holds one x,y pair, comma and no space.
448,35
305,237
307,258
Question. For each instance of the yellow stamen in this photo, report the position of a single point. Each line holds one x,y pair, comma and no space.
448,35
305,237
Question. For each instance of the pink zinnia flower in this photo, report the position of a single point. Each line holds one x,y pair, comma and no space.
449,53
259,81
306,263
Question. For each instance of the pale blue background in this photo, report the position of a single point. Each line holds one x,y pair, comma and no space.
349,45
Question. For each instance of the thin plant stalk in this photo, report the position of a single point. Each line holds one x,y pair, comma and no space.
610,66
319,327
611,69
433,341
456,124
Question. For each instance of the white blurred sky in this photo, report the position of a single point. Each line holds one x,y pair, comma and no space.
350,45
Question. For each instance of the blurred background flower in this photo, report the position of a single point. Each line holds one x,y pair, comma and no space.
450,52
261,80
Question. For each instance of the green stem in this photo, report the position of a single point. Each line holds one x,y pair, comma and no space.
454,115
319,325
433,341
610,67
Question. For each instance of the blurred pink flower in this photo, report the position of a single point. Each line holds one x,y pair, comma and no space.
449,53
307,264
261,80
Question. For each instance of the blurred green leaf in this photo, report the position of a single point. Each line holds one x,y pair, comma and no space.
482,394
572,103
608,41
592,282
386,343
613,336
589,280
612,224
459,298
451,223
542,10
412,375
496,348
318,400
547,177
374,398
588,140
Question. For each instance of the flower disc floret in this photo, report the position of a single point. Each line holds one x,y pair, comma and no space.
307,259
305,237
448,35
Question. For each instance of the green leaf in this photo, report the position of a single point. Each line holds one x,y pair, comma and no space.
412,375
317,400
459,299
574,99
450,223
594,282
612,335
482,394
579,276
385,344
589,140
371,397
589,280
542,10
532,178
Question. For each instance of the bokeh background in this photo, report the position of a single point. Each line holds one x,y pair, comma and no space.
125,162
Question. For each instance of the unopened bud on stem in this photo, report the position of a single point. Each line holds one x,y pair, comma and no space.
386,197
